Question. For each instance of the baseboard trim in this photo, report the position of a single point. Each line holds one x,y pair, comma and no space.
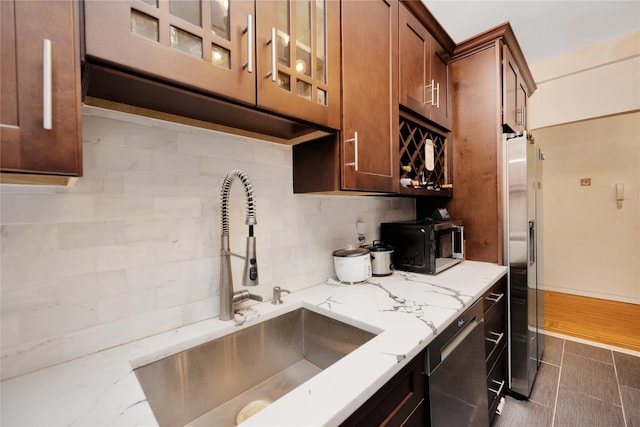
589,294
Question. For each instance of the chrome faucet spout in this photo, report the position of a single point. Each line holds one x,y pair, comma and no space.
228,298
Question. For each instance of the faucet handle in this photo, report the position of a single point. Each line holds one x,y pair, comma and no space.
277,294
256,297
241,296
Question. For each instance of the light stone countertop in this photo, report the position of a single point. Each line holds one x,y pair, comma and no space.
406,309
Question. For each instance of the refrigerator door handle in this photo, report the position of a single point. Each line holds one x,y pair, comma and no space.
532,242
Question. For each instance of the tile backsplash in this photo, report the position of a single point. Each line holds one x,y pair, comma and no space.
132,249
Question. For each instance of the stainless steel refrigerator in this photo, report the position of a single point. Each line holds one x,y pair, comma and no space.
523,255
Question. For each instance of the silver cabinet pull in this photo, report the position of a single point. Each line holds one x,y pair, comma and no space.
497,392
274,58
498,339
494,298
249,32
435,93
47,89
355,145
522,112
432,88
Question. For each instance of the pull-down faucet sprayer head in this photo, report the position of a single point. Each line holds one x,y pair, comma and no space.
250,272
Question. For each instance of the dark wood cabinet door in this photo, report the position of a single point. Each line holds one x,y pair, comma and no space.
510,113
425,78
207,45
477,135
414,50
40,128
298,75
441,76
369,146
400,402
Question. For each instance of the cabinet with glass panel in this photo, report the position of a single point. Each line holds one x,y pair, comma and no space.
280,56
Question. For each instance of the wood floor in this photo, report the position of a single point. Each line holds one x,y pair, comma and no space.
604,321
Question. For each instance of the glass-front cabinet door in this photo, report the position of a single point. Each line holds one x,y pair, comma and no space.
280,55
207,45
298,55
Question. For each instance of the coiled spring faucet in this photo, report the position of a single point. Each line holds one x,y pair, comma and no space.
229,298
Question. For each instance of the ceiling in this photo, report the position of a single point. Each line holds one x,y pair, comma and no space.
544,28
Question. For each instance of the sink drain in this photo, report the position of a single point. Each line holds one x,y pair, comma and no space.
250,409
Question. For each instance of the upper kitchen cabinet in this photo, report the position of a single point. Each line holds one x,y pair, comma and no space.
40,92
486,70
271,67
298,59
514,95
200,45
363,157
369,145
425,78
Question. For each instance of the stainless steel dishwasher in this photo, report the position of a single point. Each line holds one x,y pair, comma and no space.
456,382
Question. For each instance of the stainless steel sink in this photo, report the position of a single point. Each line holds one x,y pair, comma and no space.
211,383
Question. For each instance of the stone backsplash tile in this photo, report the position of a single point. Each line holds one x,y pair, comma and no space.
133,248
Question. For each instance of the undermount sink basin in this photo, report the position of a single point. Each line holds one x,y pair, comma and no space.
229,378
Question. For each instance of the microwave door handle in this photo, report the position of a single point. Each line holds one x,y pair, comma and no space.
458,233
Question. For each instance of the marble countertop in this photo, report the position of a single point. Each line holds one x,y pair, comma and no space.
406,310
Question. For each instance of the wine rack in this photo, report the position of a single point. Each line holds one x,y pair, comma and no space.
414,135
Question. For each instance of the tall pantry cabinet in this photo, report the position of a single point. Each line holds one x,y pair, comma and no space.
491,81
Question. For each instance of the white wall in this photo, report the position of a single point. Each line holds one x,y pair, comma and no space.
585,116
133,248
595,81
591,247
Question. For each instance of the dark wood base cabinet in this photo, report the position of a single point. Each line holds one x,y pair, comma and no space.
495,330
400,402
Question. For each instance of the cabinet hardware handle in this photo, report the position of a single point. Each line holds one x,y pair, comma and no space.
355,145
522,112
431,87
497,340
47,90
494,298
272,42
435,94
497,392
249,32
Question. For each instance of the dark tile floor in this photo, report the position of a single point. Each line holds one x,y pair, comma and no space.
579,385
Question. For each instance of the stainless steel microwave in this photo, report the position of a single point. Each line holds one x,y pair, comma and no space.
424,246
